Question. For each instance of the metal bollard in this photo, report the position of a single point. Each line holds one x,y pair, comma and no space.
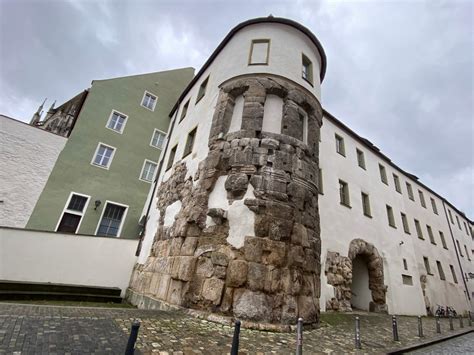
420,327
299,337
130,349
358,344
395,328
438,325
235,340
451,327
461,322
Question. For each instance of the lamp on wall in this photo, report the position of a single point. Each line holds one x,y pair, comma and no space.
97,204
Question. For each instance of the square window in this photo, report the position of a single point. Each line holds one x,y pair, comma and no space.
171,157
419,232
307,69
158,139
111,221
383,174
149,101
103,156
366,204
422,198
259,52
148,171
406,228
72,214
340,145
202,90
360,158
344,193
390,217
410,192
188,148
117,121
184,111
77,203
396,181
407,280
433,205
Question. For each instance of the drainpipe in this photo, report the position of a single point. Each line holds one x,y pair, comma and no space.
456,250
155,184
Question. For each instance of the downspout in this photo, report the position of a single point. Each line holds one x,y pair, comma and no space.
155,185
457,253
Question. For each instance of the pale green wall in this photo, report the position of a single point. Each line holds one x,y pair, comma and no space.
121,184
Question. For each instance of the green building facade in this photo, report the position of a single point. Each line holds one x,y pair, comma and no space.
101,179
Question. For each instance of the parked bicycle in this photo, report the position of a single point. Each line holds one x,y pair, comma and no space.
445,312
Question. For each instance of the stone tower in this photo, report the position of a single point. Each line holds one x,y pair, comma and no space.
233,225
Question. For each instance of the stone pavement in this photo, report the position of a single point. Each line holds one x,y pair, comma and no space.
32,329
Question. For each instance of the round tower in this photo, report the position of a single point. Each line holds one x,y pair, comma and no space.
233,226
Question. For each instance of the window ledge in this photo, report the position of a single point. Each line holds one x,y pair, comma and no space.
308,81
343,154
345,205
393,226
368,215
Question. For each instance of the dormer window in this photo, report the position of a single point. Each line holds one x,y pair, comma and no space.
307,69
259,52
149,101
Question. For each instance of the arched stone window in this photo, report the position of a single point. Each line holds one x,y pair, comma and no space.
272,114
236,120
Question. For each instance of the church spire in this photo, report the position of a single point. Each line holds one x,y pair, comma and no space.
37,115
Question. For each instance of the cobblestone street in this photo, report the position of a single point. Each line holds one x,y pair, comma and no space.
32,329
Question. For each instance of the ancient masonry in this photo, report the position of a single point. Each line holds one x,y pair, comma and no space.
339,274
275,276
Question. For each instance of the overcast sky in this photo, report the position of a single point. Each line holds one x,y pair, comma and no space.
400,73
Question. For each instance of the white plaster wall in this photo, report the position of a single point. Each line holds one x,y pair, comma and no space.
36,256
340,225
28,156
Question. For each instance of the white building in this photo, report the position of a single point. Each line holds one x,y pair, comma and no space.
233,224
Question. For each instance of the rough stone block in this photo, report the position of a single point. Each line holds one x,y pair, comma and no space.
253,249
256,276
219,259
189,246
308,308
236,273
175,292
186,267
162,289
220,271
204,267
289,311
212,290
251,305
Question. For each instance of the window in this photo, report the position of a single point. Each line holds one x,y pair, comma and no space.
430,234
406,228
344,193
111,221
366,204
433,205
440,270
407,280
72,213
103,156
320,181
360,158
453,273
419,232
396,181
391,219
259,52
149,101
427,265
171,157
459,248
451,216
443,241
410,192
422,198
116,121
383,174
148,171
184,111
202,90
307,69
405,265
465,227
188,148
467,253
459,224
340,145
158,139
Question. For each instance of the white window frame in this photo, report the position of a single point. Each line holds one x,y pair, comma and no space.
143,98
102,215
110,119
143,168
72,211
153,135
111,157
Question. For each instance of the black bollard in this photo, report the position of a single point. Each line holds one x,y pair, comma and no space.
438,325
395,328
130,350
299,337
420,327
451,327
461,322
235,340
358,344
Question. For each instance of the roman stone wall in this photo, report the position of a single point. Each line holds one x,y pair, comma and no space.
203,258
